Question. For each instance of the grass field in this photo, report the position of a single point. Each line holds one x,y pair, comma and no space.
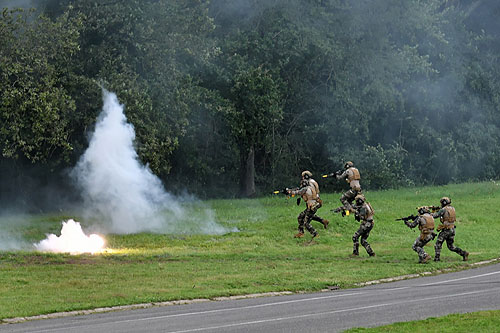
263,256
485,321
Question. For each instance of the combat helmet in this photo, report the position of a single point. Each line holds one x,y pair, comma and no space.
306,174
304,182
348,165
423,209
445,201
360,197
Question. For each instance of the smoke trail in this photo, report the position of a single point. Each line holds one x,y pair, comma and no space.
119,190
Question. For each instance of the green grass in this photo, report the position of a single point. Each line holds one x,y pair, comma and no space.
485,321
263,256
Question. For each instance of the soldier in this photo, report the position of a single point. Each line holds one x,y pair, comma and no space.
352,176
447,230
425,223
363,213
308,176
308,193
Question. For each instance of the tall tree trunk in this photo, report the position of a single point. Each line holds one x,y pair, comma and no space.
247,173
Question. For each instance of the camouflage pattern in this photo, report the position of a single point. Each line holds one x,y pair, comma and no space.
418,246
447,232
309,194
447,235
304,220
426,234
363,232
364,212
352,176
347,198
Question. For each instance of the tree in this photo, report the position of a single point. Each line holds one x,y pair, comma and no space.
35,107
257,112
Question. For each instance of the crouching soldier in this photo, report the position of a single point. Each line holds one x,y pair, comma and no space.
425,223
446,230
363,213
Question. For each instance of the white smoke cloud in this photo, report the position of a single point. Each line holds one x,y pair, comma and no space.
72,240
119,190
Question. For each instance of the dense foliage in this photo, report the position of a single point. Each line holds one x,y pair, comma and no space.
236,97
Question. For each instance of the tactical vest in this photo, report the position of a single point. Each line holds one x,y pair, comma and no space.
428,227
369,212
449,217
353,178
310,197
315,184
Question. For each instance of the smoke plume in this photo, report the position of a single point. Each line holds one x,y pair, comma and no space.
72,240
124,194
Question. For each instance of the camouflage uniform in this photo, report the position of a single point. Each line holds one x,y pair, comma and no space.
308,193
320,202
446,230
425,223
352,176
364,213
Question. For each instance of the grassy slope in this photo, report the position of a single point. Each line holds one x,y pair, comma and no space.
262,257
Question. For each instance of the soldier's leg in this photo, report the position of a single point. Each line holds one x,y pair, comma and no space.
307,222
418,246
439,245
347,199
366,233
300,220
355,241
323,221
451,246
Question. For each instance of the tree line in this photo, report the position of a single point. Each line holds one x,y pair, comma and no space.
236,97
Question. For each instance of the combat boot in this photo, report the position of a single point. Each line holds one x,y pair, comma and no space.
466,256
298,235
425,259
325,223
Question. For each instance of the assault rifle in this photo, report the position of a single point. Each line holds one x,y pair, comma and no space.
432,209
336,173
285,192
407,218
341,209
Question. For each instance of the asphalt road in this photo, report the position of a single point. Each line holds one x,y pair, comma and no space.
466,291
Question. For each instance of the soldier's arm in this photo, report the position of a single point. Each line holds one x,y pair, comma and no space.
300,191
437,214
414,223
343,175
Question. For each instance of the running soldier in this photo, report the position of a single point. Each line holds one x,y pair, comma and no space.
308,176
425,223
447,230
352,177
308,193
363,213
